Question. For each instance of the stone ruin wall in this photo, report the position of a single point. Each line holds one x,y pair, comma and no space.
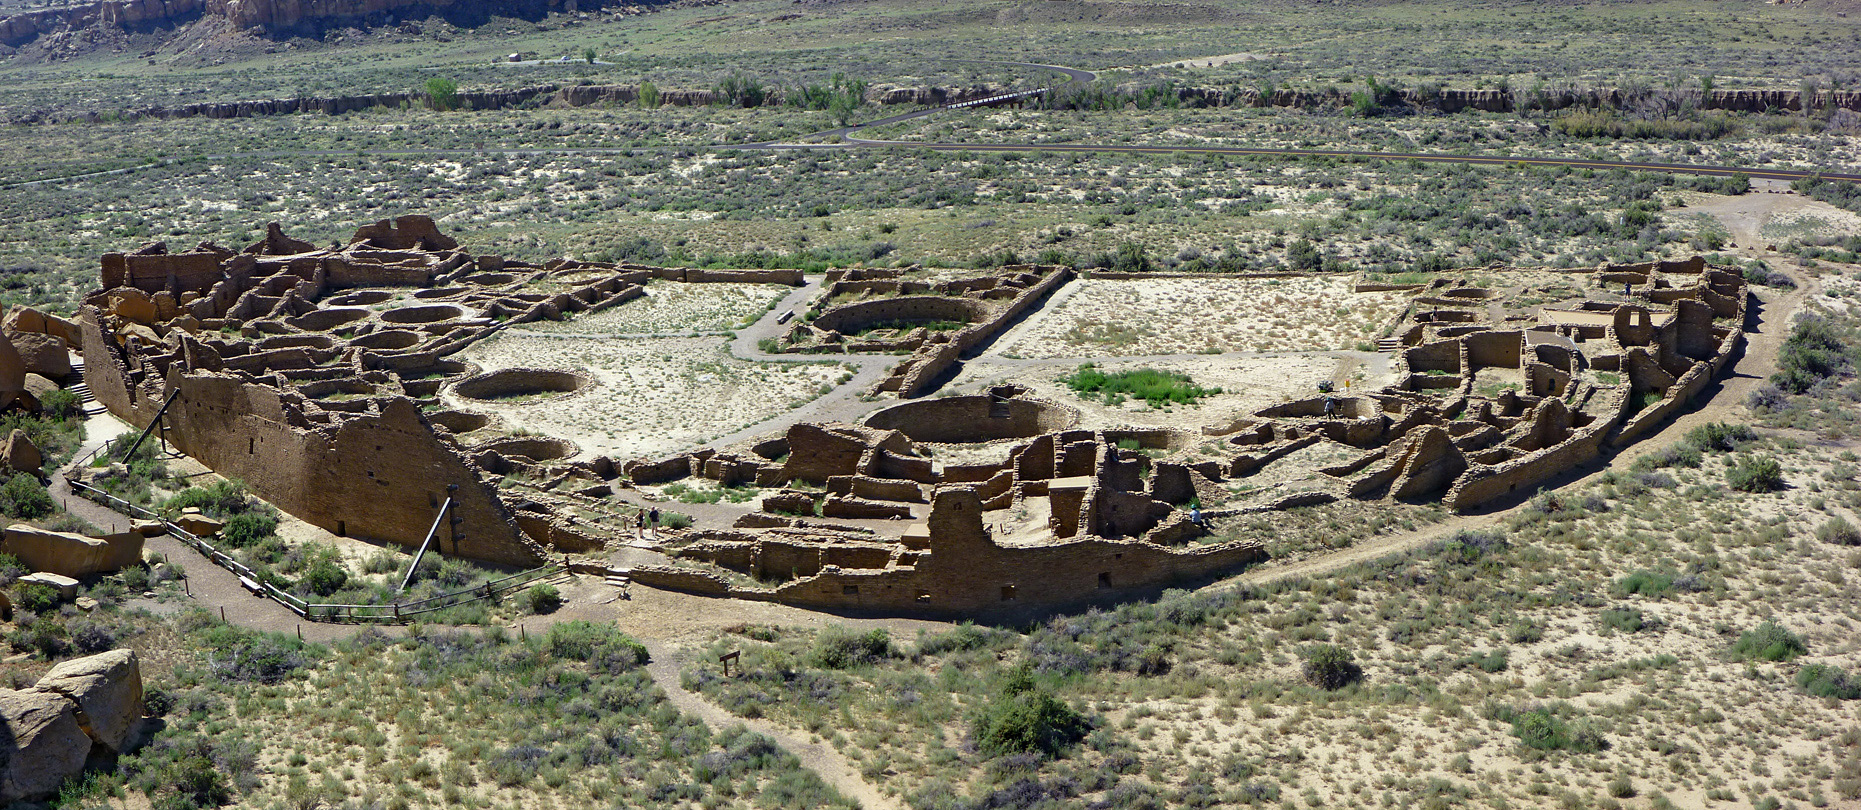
249,407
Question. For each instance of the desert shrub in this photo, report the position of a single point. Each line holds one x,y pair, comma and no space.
838,647
1655,584
965,637
23,497
1490,661
1839,531
59,404
674,520
249,529
1768,641
1719,436
35,598
1469,547
1544,729
1329,666
11,569
324,577
219,499
1813,352
1026,719
602,645
1767,398
1755,474
1827,681
1678,455
542,598
1626,620
237,654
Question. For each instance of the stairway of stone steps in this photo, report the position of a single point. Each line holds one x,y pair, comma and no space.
74,382
1389,344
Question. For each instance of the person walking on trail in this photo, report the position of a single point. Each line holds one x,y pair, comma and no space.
1195,512
639,525
1331,407
652,519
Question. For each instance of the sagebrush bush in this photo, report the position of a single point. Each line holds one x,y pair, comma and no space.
1827,681
1026,719
1329,666
1839,531
542,598
23,497
838,647
1544,729
1770,642
1755,474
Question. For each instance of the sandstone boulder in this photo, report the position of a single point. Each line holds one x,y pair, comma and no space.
42,354
196,523
63,553
45,744
27,319
66,587
107,689
12,373
38,386
20,454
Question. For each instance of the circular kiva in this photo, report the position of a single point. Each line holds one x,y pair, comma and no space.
361,298
903,310
439,292
489,279
429,313
459,421
322,319
514,383
535,448
295,342
957,420
388,339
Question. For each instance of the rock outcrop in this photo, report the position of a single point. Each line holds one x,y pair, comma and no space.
52,728
71,555
45,744
20,454
107,689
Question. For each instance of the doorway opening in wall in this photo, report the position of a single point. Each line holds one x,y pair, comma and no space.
1105,580
342,528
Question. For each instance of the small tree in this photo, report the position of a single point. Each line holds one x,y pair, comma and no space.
649,95
1755,474
1025,718
442,94
588,54
1329,666
542,598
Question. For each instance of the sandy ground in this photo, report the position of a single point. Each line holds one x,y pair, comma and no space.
676,307
650,397
1184,315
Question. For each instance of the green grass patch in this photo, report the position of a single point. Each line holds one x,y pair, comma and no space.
1154,386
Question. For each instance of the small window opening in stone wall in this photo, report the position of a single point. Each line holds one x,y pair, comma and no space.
850,590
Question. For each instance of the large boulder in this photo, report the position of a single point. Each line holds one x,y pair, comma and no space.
27,319
107,688
20,454
45,745
43,354
66,587
71,555
198,524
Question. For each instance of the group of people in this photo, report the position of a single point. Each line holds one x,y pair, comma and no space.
643,520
